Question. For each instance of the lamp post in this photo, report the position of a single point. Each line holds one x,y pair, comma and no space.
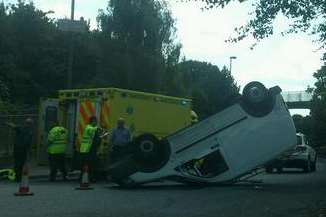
71,49
72,17
232,58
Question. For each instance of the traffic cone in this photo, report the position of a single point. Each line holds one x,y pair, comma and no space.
24,184
84,183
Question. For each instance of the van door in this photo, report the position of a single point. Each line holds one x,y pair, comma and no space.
49,112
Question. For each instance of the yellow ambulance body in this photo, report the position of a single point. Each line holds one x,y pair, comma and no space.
144,113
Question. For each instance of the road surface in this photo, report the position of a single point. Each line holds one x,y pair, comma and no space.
288,194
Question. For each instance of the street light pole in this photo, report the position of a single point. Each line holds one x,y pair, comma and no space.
72,10
71,49
232,58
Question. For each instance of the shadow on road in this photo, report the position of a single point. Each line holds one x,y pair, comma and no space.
184,187
288,172
159,187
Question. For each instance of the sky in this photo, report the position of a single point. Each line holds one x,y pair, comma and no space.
287,61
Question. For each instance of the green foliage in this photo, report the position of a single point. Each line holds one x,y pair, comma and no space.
318,110
142,34
134,47
306,15
320,85
305,125
29,60
212,89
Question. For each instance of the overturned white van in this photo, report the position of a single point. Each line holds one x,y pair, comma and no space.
220,149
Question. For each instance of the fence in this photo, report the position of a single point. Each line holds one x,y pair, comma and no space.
297,96
7,134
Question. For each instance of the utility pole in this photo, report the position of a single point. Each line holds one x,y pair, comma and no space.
71,49
232,58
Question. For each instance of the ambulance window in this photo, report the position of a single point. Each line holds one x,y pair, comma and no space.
51,115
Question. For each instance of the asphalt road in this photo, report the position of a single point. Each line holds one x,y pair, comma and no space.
288,194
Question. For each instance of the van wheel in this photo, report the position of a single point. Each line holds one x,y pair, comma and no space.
256,99
151,153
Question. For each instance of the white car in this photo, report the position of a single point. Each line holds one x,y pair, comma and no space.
220,149
301,156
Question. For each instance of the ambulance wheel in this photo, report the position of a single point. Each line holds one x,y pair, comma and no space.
257,100
151,153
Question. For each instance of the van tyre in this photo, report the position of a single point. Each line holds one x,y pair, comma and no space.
257,100
151,153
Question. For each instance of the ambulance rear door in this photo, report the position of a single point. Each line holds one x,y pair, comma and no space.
86,108
71,114
49,112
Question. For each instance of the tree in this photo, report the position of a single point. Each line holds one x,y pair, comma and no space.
4,97
318,110
306,16
31,59
305,125
133,48
141,35
129,50
211,89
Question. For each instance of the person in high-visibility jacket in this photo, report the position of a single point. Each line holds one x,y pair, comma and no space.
87,147
57,144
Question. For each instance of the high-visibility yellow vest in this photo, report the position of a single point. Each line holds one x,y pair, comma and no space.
87,139
57,140
8,173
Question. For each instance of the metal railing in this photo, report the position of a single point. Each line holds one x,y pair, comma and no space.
297,96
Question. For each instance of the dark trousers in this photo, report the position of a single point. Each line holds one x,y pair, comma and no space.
115,154
118,152
89,160
57,162
19,161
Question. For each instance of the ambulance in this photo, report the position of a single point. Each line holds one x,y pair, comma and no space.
156,114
